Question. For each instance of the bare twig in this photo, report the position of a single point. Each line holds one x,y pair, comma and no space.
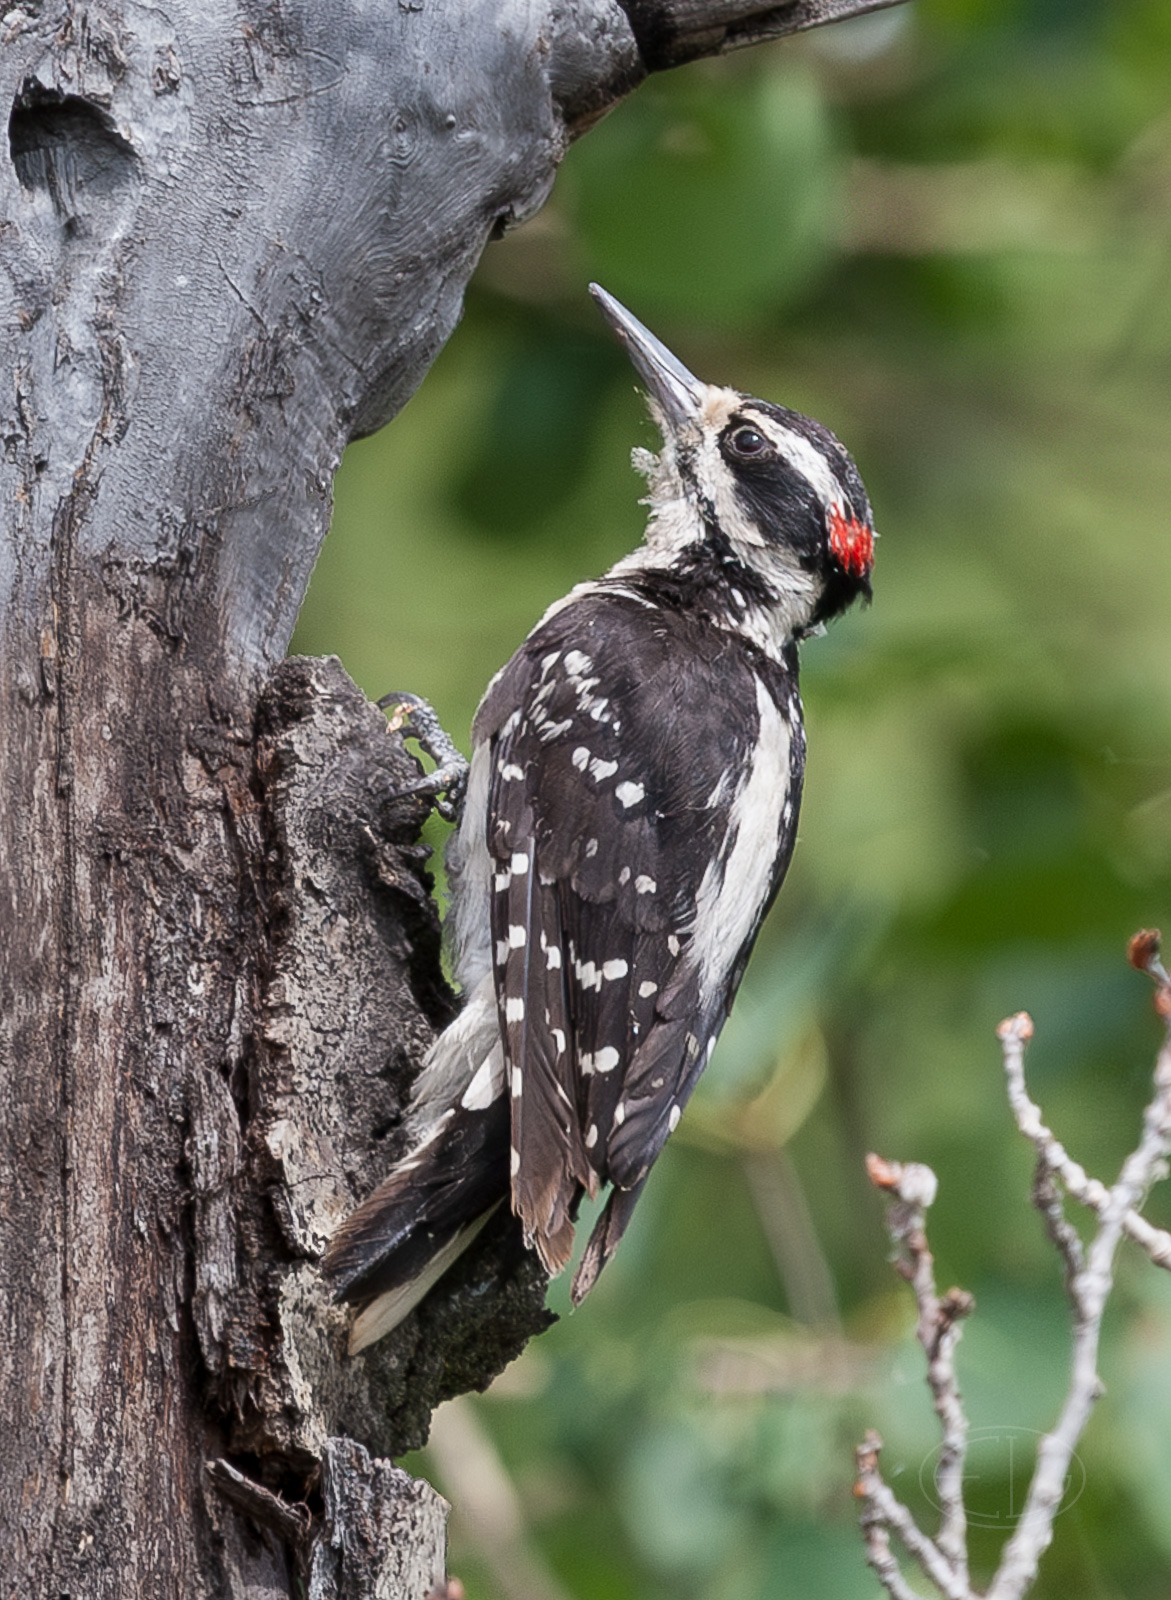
1052,1155
912,1188
938,1331
883,1512
1089,1288
1049,1201
1089,1278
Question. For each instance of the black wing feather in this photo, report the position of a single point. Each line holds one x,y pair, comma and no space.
426,1200
593,705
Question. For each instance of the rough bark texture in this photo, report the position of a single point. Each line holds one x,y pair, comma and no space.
234,234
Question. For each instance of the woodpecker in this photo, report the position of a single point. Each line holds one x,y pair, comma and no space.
630,811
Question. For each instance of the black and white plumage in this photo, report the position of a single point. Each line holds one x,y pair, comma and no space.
631,811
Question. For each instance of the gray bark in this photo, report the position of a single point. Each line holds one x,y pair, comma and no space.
234,234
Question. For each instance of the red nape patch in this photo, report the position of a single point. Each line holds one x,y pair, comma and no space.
851,542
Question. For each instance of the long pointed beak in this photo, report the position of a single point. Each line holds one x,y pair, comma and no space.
676,391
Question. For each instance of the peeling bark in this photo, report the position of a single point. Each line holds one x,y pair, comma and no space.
234,234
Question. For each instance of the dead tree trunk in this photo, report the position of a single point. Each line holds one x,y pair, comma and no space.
235,233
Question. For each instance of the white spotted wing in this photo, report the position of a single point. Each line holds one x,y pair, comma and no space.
624,794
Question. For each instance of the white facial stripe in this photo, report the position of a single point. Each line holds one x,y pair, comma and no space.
731,515
721,405
805,457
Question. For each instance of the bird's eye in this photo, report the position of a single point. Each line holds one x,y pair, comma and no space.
749,442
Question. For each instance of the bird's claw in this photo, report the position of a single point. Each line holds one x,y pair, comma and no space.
447,784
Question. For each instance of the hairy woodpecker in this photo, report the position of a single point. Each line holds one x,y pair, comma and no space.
630,812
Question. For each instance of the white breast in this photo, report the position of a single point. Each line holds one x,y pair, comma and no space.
733,892
469,874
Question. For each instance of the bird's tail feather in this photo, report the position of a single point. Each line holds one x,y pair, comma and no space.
389,1309
404,1236
608,1230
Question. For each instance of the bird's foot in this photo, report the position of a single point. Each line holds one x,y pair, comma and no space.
447,784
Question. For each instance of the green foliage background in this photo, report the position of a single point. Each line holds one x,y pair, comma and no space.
946,231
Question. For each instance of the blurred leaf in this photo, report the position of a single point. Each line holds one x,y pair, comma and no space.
678,1510
810,1561
714,197
1139,1430
532,448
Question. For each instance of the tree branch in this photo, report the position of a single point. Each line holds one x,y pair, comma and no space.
1089,1288
671,32
1089,1278
912,1188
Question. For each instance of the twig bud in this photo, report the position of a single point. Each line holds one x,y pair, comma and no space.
1143,948
954,1306
1143,954
909,1181
882,1173
1019,1027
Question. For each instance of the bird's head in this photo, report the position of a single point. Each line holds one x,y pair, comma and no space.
759,510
